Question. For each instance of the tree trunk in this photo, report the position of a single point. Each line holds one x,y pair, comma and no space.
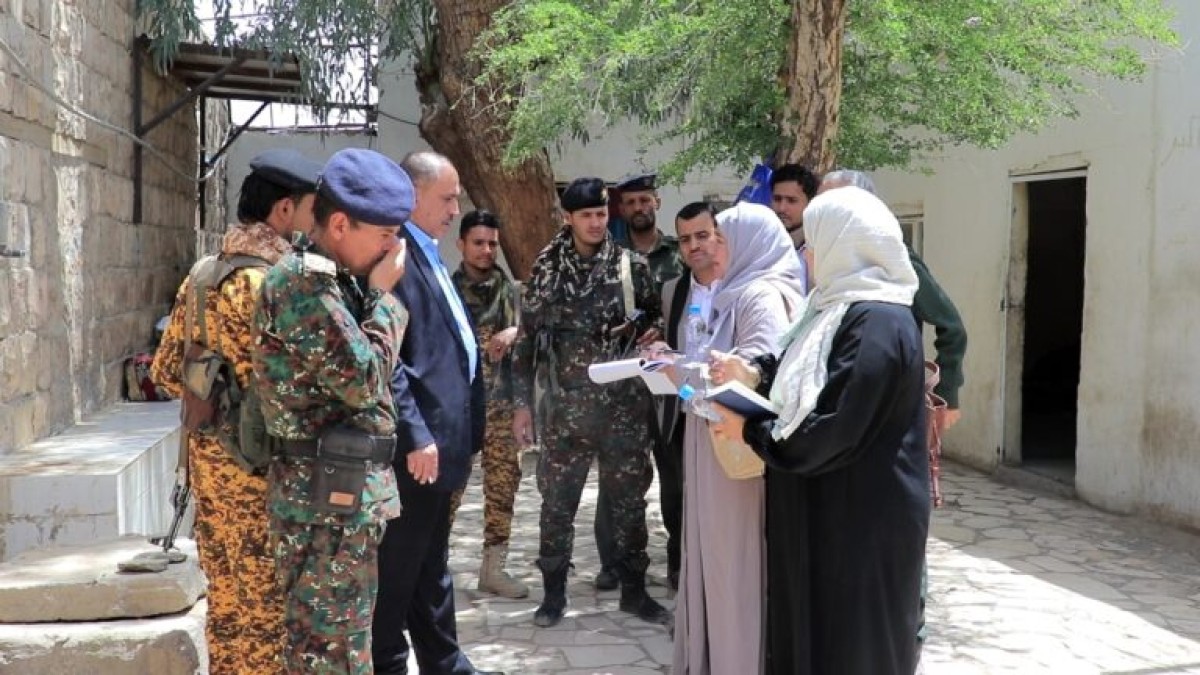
466,125
812,76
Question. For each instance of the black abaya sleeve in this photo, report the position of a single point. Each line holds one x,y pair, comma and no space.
874,364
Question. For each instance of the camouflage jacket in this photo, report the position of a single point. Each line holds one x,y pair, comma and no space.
229,311
664,259
568,312
325,356
493,308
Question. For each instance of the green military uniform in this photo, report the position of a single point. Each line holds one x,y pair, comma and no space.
568,311
665,264
493,308
326,351
663,258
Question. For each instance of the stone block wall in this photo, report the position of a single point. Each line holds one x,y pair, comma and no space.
89,283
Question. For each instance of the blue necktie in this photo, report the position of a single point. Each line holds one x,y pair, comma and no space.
456,308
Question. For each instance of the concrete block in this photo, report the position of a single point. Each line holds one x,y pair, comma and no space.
27,533
81,583
108,476
171,645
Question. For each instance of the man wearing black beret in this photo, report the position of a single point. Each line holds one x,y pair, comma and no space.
639,204
587,301
231,513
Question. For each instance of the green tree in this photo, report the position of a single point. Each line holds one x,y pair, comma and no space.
460,120
865,83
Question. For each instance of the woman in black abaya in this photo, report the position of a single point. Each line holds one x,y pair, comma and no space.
848,475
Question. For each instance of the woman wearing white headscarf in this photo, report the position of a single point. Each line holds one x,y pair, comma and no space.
719,608
848,476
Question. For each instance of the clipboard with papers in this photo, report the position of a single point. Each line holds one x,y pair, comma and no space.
650,370
743,400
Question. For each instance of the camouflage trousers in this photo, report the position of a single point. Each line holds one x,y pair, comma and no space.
501,460
244,627
608,425
329,574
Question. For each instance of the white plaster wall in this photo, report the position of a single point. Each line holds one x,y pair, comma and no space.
1139,397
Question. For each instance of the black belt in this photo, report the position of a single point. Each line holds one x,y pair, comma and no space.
383,448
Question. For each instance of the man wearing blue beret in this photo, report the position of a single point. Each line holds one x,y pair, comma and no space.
326,348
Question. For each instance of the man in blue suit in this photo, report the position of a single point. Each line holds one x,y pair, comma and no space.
438,388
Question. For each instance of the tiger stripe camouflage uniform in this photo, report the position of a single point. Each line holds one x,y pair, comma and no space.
493,309
244,626
326,352
566,312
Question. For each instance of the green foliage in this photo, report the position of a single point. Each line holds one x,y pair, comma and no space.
328,36
703,75
698,74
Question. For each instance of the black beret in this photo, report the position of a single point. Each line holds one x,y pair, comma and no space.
639,182
288,169
367,186
584,193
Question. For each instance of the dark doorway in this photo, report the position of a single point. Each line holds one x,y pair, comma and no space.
1053,323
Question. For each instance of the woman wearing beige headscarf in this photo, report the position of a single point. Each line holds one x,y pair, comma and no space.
847,472
719,608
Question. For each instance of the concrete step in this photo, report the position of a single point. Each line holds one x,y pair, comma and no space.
66,609
167,645
82,583
108,476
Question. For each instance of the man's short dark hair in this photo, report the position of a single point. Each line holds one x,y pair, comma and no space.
809,182
323,208
696,208
477,218
258,197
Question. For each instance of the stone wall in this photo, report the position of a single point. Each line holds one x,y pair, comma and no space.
90,284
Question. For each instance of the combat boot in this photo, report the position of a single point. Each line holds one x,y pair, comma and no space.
636,601
607,580
554,603
493,578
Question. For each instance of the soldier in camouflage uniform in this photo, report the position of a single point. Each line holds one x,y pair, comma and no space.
489,295
244,625
575,312
326,351
639,203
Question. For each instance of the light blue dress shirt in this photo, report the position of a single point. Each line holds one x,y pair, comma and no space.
429,247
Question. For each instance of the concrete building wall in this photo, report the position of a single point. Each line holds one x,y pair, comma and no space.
91,283
1139,390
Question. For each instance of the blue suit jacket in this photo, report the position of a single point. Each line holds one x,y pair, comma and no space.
436,402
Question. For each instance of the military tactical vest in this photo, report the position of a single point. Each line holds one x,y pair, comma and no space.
213,403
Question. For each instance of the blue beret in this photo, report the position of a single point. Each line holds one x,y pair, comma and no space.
288,169
367,186
584,193
638,182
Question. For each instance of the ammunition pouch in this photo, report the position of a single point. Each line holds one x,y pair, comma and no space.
342,457
205,382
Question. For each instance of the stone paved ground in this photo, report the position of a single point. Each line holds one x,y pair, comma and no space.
1020,583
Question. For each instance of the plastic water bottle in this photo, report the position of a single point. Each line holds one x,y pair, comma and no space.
696,336
694,366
